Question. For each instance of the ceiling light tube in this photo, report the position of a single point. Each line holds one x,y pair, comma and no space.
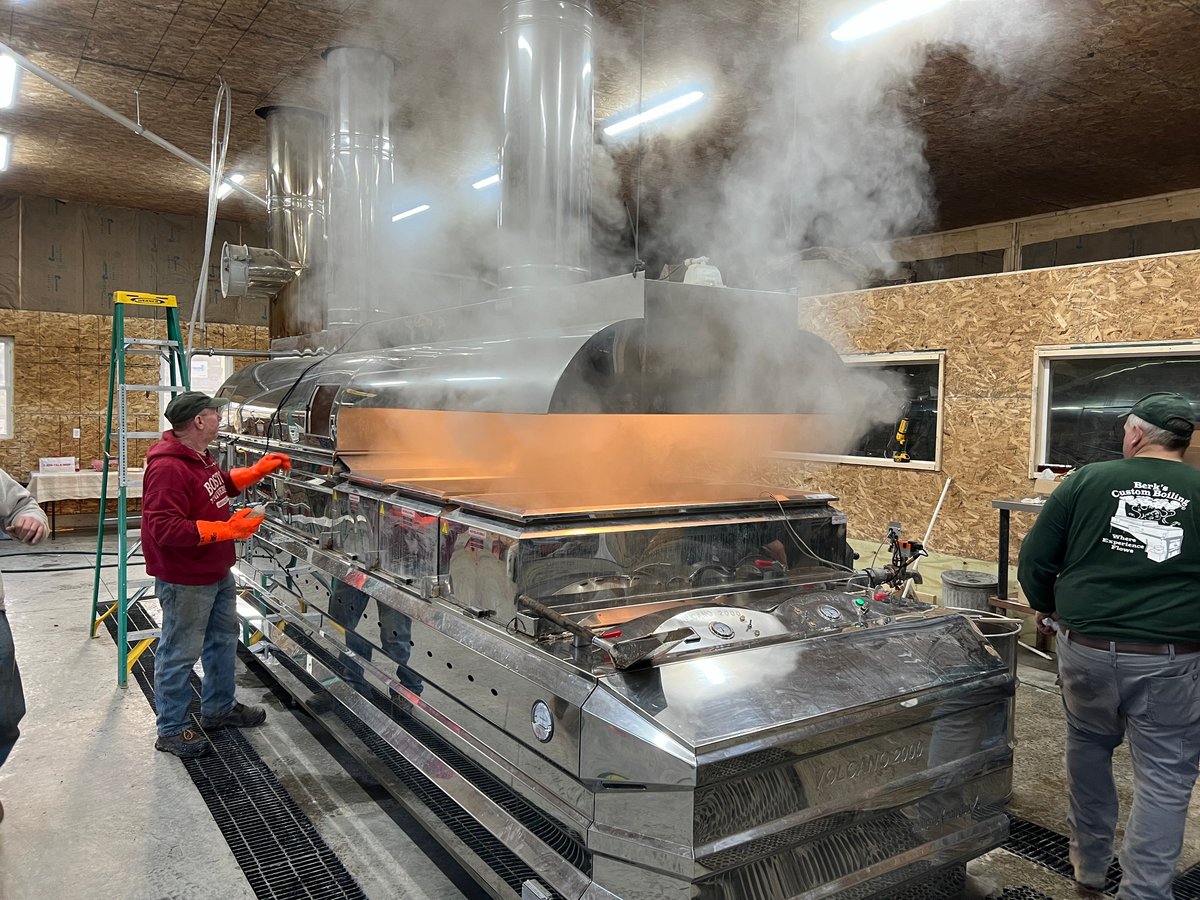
655,112
410,212
8,80
226,188
5,148
882,16
487,182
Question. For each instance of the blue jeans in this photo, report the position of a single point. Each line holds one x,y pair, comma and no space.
198,622
1155,701
12,698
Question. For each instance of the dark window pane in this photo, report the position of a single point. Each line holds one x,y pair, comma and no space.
918,383
1090,397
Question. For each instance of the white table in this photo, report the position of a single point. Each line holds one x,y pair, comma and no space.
48,487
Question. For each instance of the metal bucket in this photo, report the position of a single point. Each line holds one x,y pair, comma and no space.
968,590
1003,635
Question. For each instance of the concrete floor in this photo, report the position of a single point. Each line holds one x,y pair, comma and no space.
91,810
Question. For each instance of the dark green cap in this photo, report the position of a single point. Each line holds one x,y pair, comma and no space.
189,404
1166,410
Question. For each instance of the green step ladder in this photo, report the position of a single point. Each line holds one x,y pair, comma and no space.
171,350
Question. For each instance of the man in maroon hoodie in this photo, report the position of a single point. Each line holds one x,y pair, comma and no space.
187,539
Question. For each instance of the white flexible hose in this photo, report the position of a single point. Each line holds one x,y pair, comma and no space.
216,164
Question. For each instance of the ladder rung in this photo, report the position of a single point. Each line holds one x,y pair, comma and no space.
143,435
151,387
132,636
150,342
133,351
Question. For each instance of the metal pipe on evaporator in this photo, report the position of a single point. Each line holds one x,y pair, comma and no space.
625,654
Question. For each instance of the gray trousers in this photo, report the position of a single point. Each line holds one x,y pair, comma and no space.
1155,701
12,698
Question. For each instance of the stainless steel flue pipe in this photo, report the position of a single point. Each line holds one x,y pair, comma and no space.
296,199
360,179
546,151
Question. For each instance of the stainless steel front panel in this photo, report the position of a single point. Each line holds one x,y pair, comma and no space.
408,537
713,700
592,566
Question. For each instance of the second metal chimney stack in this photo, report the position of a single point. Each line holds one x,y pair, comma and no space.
360,179
296,213
546,153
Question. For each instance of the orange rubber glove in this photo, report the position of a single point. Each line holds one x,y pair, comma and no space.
240,526
272,462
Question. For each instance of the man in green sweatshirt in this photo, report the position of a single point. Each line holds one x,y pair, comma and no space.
1113,564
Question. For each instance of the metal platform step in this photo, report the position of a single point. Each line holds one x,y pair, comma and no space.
457,830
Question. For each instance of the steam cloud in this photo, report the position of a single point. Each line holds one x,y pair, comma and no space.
829,161
832,158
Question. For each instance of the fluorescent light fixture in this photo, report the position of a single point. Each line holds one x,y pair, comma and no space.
655,112
487,182
226,188
882,16
416,210
8,80
5,147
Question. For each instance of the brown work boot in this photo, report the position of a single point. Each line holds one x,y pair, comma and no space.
240,716
188,744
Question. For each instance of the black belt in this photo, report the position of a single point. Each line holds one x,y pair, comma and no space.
1179,647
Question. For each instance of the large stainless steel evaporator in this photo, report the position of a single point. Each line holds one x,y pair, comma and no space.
591,688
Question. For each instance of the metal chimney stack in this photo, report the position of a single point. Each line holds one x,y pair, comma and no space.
360,179
546,153
296,213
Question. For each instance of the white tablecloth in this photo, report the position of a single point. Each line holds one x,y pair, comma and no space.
84,485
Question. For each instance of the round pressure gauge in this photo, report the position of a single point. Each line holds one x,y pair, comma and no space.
542,721
721,630
829,612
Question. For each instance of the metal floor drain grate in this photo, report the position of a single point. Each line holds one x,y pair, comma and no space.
1187,884
276,845
1052,850
1024,893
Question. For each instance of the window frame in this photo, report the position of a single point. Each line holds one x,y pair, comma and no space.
10,345
164,375
882,359
1044,355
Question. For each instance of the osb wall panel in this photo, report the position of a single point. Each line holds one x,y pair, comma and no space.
60,383
989,327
